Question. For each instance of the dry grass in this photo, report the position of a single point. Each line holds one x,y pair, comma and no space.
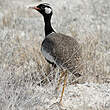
22,66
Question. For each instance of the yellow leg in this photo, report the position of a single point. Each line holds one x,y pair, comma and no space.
65,79
62,74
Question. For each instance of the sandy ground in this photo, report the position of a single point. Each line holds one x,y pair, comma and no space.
79,97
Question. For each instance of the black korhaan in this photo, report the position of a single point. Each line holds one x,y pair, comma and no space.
59,49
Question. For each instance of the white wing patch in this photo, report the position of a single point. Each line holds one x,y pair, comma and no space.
47,55
48,10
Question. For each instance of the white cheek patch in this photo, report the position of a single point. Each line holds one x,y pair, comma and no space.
48,10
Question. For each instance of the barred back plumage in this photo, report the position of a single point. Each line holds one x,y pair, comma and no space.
64,50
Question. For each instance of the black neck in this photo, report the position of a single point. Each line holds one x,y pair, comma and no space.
48,27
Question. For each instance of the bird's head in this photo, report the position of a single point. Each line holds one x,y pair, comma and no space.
44,9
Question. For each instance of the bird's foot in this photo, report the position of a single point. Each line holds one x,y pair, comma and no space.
58,106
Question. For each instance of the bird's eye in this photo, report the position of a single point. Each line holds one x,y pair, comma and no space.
43,7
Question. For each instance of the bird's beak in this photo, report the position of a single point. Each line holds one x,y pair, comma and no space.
34,7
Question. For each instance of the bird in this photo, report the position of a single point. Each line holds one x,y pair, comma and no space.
60,50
